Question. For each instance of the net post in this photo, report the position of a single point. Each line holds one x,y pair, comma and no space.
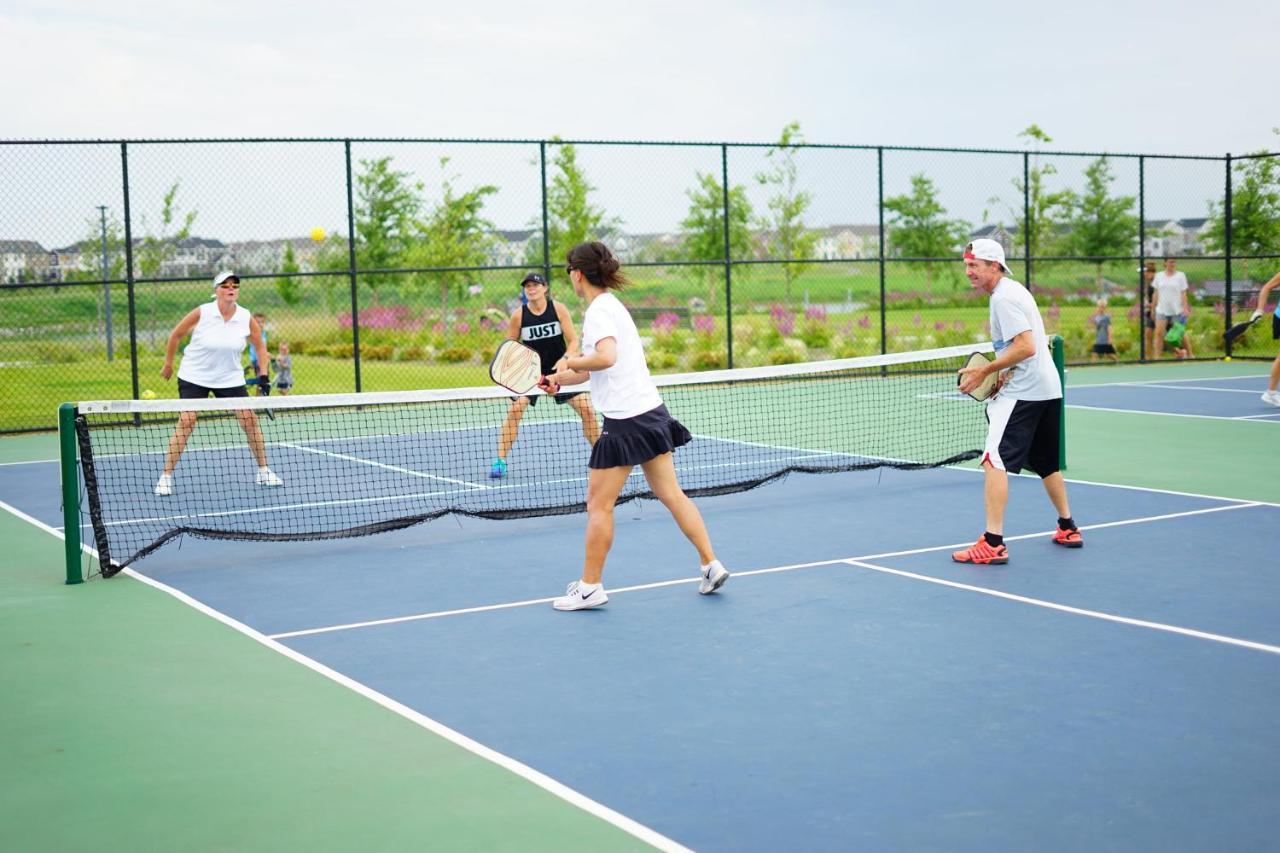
70,491
1060,364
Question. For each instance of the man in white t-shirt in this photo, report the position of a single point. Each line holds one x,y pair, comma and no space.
1025,413
1169,289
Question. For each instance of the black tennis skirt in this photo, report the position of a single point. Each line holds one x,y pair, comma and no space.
634,441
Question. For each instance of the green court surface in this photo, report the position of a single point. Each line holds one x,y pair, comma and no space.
135,722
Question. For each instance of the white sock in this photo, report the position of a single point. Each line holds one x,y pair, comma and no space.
587,588
263,468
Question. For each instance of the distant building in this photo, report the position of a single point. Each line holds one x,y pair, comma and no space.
997,232
847,242
22,261
511,248
1175,237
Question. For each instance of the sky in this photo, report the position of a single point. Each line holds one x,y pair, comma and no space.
1177,77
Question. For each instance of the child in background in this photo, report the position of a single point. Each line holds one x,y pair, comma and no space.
1102,333
284,369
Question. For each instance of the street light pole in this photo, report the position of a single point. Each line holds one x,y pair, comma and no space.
106,288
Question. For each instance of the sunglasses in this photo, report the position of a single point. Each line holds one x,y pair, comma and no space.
568,268
230,285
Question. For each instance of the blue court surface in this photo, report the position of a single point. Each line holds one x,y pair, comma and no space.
850,688
1235,397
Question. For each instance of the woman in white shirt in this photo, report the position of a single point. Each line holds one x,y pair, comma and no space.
1169,289
638,429
211,365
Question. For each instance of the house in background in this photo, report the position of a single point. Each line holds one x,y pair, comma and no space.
1004,236
1175,237
22,261
852,242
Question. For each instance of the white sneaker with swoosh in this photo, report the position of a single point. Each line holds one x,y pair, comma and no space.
713,577
574,599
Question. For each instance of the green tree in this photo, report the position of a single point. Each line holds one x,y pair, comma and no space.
454,234
571,217
289,288
160,245
702,230
386,209
919,228
1101,225
1255,211
1040,231
786,235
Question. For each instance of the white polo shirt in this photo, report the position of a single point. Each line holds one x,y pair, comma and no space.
212,358
626,389
1014,311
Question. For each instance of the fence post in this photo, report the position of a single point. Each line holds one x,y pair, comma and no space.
728,255
546,245
880,214
128,275
1142,260
70,491
351,268
1228,289
1026,217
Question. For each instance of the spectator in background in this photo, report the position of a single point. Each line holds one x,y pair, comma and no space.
284,369
1149,300
1102,345
1169,289
252,370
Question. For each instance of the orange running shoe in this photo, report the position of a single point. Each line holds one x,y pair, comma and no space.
1068,538
982,553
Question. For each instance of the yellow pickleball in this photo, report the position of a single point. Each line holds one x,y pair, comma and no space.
317,234
148,394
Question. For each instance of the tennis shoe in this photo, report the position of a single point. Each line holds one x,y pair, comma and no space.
1068,538
499,469
1271,398
164,486
267,477
713,577
982,553
573,598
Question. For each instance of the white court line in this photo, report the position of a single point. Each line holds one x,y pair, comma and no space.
1160,414
1185,387
1078,611
547,783
1168,381
1258,417
374,464
486,608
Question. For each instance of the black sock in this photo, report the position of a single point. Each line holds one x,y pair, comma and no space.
993,539
1067,523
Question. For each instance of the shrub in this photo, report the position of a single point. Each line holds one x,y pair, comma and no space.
662,360
377,352
414,353
454,355
340,351
55,353
709,360
785,355
298,347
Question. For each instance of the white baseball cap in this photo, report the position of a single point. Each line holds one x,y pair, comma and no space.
987,250
223,276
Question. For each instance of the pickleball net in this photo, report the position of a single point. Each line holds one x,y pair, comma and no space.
359,464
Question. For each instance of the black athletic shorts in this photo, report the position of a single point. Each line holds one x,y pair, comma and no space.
1024,434
192,391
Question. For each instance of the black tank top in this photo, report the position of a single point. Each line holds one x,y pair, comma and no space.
543,333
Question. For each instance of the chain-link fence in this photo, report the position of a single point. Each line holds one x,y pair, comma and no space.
390,264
